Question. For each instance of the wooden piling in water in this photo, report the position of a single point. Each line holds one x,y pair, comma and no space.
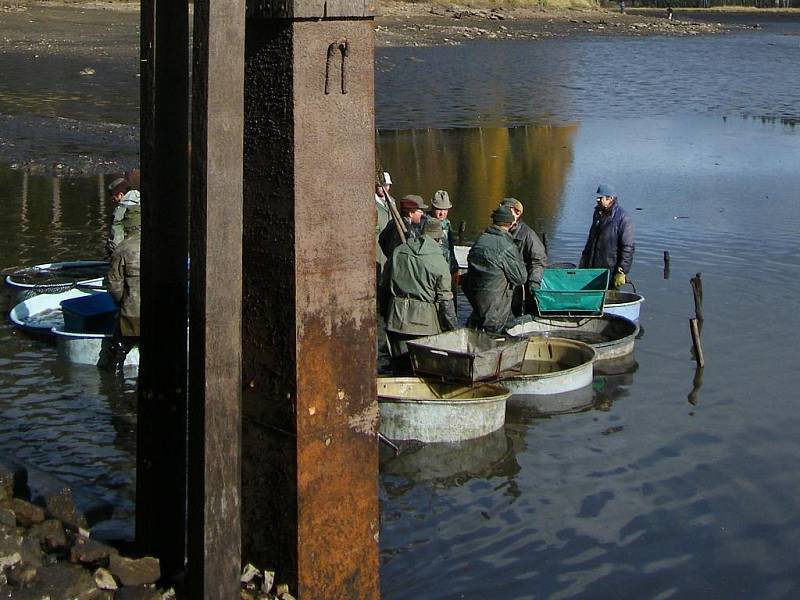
162,403
215,349
666,264
697,292
698,349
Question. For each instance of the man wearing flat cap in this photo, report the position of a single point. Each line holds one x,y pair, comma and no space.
610,242
420,302
494,270
533,254
412,208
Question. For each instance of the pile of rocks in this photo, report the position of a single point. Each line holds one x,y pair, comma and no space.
46,553
43,557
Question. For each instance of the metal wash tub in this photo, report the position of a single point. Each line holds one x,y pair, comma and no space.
412,408
611,336
551,366
623,304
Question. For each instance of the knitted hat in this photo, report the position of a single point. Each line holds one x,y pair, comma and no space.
502,215
605,190
513,203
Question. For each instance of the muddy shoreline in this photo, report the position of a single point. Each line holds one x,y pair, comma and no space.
69,102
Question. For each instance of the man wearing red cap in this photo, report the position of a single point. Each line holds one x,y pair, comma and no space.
412,209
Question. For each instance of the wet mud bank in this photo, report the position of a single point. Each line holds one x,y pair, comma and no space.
69,99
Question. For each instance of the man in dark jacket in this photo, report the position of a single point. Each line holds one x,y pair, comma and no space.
494,270
610,243
412,209
533,254
420,302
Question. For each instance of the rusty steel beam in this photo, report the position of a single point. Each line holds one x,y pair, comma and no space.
309,470
161,430
214,548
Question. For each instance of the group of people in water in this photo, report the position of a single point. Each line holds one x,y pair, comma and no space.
418,274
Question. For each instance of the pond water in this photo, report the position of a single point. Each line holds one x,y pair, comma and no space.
677,483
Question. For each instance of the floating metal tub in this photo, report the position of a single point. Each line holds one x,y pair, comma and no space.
466,355
551,365
412,408
623,304
611,336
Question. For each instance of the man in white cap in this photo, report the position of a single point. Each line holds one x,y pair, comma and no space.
384,215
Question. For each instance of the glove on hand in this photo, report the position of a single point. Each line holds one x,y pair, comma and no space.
619,279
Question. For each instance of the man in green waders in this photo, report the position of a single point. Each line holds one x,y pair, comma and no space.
419,298
123,284
494,270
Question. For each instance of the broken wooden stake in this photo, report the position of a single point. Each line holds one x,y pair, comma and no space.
698,350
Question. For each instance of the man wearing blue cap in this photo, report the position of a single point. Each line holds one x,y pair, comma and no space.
610,243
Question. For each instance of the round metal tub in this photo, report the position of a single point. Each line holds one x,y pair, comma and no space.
413,408
623,304
551,365
87,348
611,336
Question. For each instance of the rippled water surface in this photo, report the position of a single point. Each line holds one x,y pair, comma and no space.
677,483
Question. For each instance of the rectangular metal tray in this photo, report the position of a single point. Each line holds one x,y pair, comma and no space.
466,355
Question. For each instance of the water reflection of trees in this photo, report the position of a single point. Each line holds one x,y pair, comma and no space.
479,167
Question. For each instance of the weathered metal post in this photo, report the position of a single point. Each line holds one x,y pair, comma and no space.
161,429
215,381
309,489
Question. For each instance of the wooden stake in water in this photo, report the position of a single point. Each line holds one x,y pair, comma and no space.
698,350
697,290
666,264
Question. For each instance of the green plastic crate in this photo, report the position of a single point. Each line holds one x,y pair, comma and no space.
572,292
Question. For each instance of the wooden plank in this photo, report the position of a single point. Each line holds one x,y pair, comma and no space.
214,549
161,438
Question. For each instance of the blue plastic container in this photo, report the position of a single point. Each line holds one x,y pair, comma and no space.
96,313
